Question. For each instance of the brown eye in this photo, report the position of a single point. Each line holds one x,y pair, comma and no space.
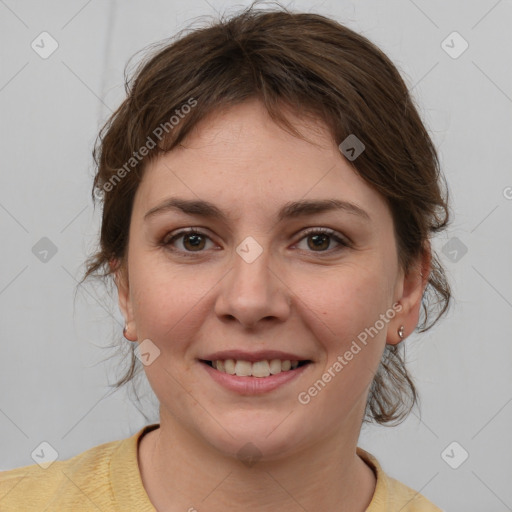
319,240
192,241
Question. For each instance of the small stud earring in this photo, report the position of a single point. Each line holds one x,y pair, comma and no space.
125,329
401,332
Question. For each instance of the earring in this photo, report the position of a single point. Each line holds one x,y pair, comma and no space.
125,329
401,332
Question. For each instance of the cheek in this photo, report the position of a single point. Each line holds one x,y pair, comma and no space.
168,302
352,316
347,309
350,299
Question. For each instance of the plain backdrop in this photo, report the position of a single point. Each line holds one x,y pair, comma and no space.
54,367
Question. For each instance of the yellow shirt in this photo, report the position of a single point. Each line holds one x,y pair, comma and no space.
106,478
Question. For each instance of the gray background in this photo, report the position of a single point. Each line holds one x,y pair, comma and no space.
54,371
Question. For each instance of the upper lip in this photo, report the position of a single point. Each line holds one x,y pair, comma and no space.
242,355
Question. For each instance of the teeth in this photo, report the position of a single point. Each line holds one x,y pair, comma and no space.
263,368
260,369
243,368
229,366
275,366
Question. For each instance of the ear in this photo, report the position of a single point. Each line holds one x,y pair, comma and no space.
411,287
123,292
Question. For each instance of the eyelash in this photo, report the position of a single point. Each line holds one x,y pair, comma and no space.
166,243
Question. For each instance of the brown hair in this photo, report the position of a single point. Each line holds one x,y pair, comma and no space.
317,67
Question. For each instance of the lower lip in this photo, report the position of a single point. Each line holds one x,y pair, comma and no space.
253,385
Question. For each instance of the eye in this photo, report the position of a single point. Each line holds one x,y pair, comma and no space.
193,241
321,239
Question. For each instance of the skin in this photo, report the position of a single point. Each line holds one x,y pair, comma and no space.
294,297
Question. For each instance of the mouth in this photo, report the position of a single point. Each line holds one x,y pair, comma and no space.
260,369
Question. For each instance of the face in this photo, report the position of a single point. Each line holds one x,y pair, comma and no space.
262,276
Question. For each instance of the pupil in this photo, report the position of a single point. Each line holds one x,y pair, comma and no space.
317,238
194,240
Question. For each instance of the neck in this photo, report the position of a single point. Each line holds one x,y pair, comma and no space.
180,472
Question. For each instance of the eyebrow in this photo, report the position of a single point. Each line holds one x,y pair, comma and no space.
288,211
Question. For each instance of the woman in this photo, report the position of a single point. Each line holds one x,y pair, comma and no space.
269,193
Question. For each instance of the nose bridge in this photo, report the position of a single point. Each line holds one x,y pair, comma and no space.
252,290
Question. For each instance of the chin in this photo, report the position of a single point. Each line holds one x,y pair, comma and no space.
256,437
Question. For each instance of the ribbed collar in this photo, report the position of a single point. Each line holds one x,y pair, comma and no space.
129,492
380,500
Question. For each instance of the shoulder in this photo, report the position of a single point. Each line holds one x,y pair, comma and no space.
391,495
81,482
409,500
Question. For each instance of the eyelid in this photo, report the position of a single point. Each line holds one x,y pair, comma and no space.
184,231
342,241
325,230
172,236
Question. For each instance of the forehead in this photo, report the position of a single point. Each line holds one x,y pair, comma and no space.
241,157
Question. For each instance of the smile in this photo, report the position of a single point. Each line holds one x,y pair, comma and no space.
251,378
259,369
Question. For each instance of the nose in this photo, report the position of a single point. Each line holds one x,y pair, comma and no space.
253,292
